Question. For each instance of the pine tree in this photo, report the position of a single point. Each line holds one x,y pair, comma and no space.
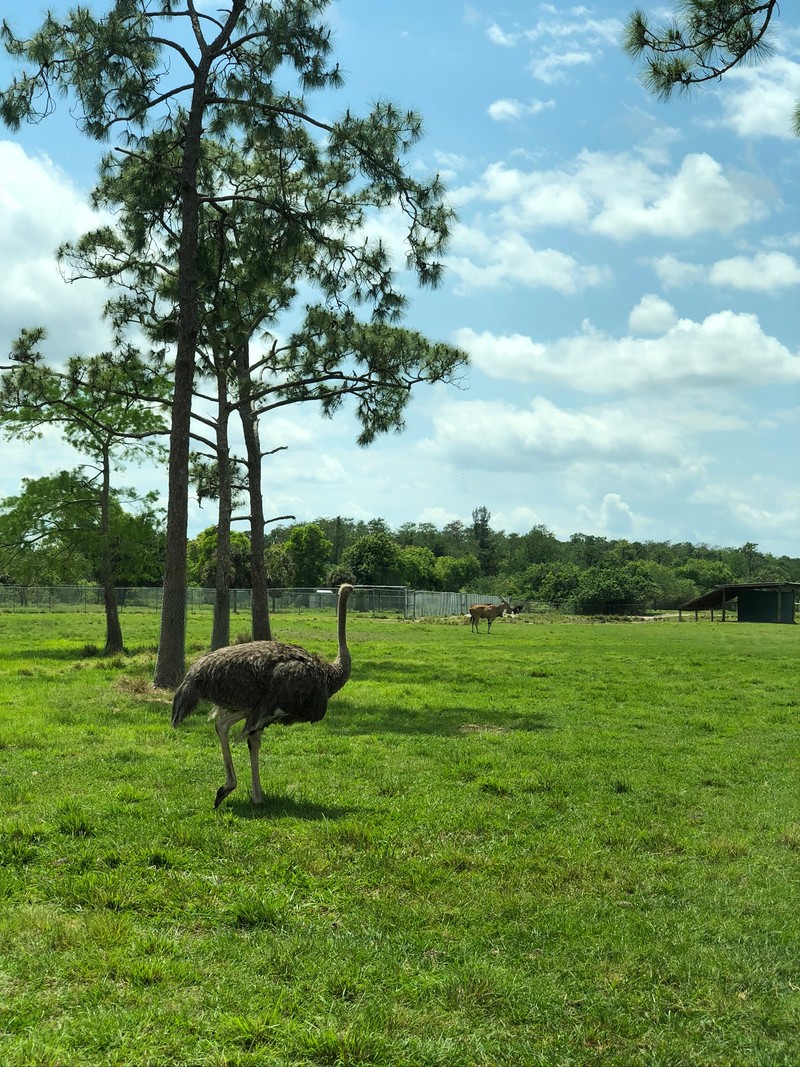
135,74
702,41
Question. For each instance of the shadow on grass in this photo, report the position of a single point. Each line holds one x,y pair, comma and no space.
445,721
36,654
277,806
78,654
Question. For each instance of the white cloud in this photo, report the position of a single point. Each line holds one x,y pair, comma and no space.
517,518
753,503
529,199
724,350
499,37
698,198
451,160
482,262
652,315
674,273
544,435
37,459
613,517
40,208
763,272
760,101
552,67
438,516
561,40
511,110
446,164
574,22
622,196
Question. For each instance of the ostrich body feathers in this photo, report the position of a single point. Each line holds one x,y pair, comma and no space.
266,681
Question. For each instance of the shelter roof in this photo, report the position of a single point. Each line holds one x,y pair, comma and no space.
715,598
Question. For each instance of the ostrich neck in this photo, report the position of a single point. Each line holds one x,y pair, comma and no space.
342,662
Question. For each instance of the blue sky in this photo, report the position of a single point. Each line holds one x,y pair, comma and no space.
624,273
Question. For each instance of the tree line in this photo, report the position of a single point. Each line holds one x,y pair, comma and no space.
49,539
585,572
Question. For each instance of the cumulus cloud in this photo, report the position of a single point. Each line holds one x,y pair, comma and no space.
725,349
674,273
754,503
517,518
481,261
553,66
760,101
500,37
40,209
623,196
763,272
544,435
698,197
613,517
446,164
652,315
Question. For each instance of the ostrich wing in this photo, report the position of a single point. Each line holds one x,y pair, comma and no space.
297,692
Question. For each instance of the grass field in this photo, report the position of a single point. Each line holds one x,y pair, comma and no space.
556,845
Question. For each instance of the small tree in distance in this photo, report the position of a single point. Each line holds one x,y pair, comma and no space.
93,402
374,560
307,553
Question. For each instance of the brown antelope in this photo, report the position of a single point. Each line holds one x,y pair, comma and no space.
488,612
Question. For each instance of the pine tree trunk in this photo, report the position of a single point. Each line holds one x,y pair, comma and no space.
221,628
172,641
262,630
114,643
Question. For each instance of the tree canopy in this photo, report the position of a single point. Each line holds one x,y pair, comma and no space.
584,573
701,42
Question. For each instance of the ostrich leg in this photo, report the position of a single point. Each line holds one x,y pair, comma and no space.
254,744
222,726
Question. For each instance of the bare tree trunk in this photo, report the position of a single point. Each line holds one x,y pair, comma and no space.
114,642
113,628
262,630
221,628
172,642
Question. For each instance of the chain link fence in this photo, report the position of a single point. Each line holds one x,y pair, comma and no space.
373,599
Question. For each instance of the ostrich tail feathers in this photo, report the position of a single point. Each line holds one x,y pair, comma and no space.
184,702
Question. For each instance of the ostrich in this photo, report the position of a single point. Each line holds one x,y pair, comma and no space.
262,682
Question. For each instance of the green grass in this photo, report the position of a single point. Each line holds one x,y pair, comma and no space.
554,845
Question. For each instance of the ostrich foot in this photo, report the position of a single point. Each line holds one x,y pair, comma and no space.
222,792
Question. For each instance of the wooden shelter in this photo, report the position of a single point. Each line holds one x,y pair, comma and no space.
756,601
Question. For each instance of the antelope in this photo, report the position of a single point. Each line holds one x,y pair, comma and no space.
488,612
